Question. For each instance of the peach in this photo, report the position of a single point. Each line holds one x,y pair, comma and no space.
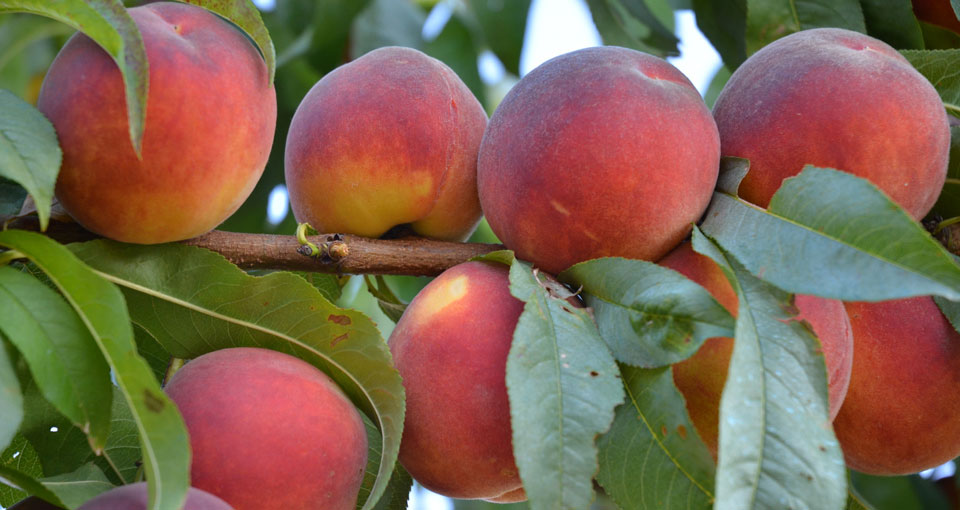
134,497
835,98
211,113
702,376
389,139
269,431
599,152
451,349
902,412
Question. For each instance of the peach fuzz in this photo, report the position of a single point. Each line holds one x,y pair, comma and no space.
599,152
388,139
702,376
210,119
835,98
902,413
451,349
134,497
269,431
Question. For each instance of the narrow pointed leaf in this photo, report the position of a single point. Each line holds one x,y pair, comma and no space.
950,309
63,358
724,22
101,307
563,385
11,398
652,456
29,151
776,446
245,15
109,25
769,20
649,315
75,488
19,457
193,301
503,25
939,67
832,234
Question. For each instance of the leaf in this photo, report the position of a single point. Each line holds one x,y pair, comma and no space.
19,457
19,471
652,456
455,48
63,448
398,490
832,234
12,196
389,303
855,502
387,23
939,67
769,20
649,315
328,284
109,25
102,309
563,386
193,301
893,22
75,488
29,151
724,23
63,358
245,15
632,24
11,398
152,352
503,25
951,310
776,447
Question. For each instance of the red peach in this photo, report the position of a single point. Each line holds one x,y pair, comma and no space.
134,497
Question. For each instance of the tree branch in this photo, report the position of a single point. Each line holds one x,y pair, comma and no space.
342,253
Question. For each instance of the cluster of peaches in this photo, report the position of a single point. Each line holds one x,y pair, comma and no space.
600,152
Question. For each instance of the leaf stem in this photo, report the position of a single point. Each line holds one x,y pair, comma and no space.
946,223
172,368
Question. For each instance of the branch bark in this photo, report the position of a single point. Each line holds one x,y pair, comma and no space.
342,253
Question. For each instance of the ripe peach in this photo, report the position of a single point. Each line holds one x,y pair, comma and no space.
210,117
386,140
835,98
702,376
451,349
270,431
600,152
134,497
902,413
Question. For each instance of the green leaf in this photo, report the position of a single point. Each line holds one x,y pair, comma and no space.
155,355
327,284
776,446
769,20
245,15
108,24
389,303
19,457
193,301
63,448
652,456
11,398
12,196
398,490
387,23
63,358
75,488
855,502
102,309
455,47
724,23
29,151
893,22
633,24
20,472
503,25
939,67
563,386
951,310
832,234
649,315
898,492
